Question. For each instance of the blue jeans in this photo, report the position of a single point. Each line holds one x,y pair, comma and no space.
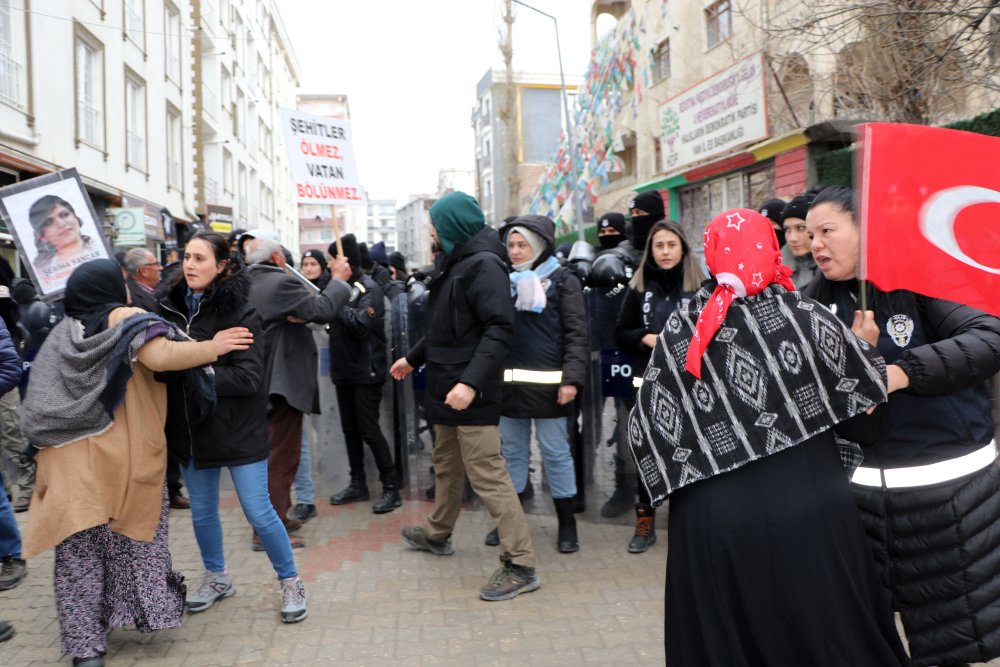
250,481
305,489
10,537
515,435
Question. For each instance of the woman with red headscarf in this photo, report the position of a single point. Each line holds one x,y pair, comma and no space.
767,562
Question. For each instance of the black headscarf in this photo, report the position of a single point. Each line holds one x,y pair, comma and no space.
93,290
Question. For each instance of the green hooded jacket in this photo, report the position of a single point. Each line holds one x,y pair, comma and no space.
456,218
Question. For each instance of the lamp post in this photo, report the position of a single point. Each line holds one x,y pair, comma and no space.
578,208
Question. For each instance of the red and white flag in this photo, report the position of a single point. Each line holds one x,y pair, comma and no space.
930,212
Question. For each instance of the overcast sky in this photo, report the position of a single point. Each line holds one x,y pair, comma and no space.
410,71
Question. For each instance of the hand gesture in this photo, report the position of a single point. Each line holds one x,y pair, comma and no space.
649,340
230,340
460,397
339,268
864,326
400,369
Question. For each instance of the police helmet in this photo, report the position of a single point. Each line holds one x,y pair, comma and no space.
608,270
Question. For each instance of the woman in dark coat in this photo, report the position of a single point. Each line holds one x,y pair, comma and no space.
211,294
546,367
767,563
666,278
929,486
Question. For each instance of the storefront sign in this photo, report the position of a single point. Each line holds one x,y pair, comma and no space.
321,155
219,218
723,112
131,226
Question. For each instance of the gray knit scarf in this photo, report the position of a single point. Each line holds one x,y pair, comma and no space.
78,382
781,370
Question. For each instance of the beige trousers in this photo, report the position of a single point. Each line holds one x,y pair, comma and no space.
476,450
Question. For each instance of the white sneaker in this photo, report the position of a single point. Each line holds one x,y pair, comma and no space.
214,586
293,600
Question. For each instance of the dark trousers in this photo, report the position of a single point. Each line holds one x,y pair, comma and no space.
359,410
174,483
284,431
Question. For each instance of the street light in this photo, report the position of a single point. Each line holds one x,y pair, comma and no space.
569,129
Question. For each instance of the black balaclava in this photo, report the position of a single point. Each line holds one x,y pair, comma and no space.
614,221
93,290
652,203
771,209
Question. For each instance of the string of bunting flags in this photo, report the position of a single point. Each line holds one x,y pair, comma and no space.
615,79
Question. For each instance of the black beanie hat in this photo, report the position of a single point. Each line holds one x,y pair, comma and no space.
615,220
771,209
317,255
797,207
351,250
651,202
397,260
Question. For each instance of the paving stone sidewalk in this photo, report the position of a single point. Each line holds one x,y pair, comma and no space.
373,601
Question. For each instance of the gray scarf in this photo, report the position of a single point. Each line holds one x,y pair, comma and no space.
77,383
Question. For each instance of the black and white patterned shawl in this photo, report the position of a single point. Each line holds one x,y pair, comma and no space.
780,370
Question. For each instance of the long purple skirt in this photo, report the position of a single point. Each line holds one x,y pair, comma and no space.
104,580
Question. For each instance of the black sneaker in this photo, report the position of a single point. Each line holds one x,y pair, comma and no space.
6,631
387,502
509,581
355,492
12,572
302,512
417,538
492,538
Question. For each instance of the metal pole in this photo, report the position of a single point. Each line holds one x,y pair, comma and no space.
577,195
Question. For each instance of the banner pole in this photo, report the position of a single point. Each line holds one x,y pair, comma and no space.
863,295
336,236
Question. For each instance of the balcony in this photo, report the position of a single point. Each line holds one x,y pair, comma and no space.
211,191
136,157
90,122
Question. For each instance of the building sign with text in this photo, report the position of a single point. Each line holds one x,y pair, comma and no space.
723,112
321,155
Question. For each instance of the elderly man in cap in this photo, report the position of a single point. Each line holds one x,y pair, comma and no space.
470,328
285,304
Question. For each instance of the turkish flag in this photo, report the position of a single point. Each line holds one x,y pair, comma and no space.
930,212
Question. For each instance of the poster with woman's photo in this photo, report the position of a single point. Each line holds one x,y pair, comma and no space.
54,226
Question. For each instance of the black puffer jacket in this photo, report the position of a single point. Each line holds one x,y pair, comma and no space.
236,434
552,340
470,327
646,312
948,350
357,336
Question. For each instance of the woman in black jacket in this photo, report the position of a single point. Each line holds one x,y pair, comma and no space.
929,488
546,367
211,294
666,278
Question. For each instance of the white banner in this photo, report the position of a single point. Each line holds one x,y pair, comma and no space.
321,155
726,110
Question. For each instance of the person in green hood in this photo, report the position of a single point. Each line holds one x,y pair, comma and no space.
470,329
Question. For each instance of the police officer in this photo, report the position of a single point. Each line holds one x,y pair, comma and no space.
667,277
358,367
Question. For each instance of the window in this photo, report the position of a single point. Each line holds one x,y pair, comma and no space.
135,122
89,92
661,61
12,56
172,42
174,179
227,172
719,21
134,19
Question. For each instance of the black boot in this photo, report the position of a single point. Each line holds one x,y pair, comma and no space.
622,498
645,529
567,542
388,501
356,491
492,538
